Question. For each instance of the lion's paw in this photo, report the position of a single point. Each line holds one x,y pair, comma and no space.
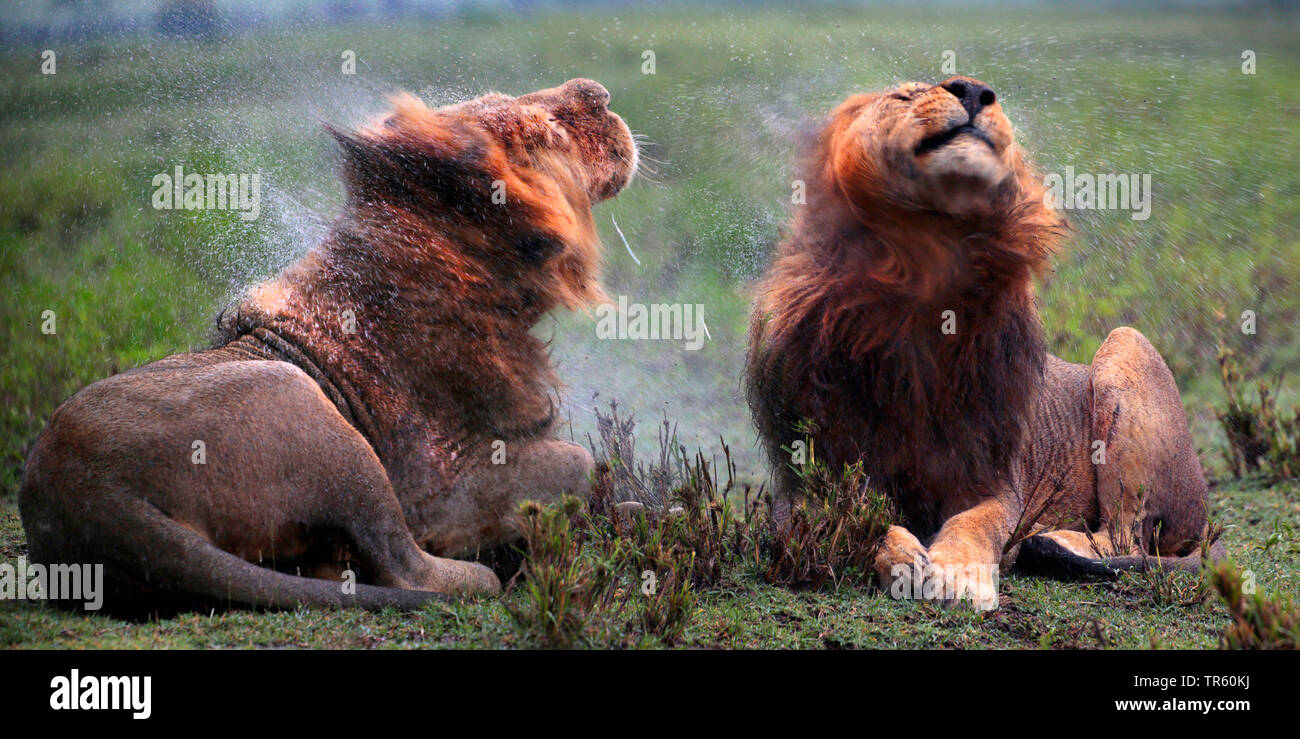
901,562
908,571
458,577
481,579
965,585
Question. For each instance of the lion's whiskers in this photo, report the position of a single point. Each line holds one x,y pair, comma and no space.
641,142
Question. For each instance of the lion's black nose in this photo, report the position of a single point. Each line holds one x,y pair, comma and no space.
974,95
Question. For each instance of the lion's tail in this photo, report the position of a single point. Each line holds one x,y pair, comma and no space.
1043,557
153,563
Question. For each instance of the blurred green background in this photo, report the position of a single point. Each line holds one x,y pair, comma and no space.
1158,91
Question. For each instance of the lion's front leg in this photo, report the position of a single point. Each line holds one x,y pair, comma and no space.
965,554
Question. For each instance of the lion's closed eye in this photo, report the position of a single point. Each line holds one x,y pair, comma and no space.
908,92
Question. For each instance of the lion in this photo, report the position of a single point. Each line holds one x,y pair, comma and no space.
899,322
375,411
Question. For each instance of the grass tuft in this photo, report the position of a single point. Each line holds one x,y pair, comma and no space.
1258,622
834,529
1253,426
561,587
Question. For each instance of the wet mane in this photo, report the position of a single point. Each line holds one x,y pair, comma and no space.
443,282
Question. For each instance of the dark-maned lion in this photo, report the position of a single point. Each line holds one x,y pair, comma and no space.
899,318
379,405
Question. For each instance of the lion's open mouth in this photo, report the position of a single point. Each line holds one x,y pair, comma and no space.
930,143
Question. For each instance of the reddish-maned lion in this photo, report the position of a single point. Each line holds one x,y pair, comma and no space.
380,405
899,318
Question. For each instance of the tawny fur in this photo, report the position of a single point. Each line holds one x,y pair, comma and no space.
352,408
922,214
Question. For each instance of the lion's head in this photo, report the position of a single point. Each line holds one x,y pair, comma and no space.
566,127
514,175
463,226
921,147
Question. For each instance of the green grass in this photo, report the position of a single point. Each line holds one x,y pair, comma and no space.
1142,92
742,611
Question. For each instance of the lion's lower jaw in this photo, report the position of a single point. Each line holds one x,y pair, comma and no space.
965,157
963,179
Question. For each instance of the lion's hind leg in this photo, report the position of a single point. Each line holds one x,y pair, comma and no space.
116,479
1151,492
